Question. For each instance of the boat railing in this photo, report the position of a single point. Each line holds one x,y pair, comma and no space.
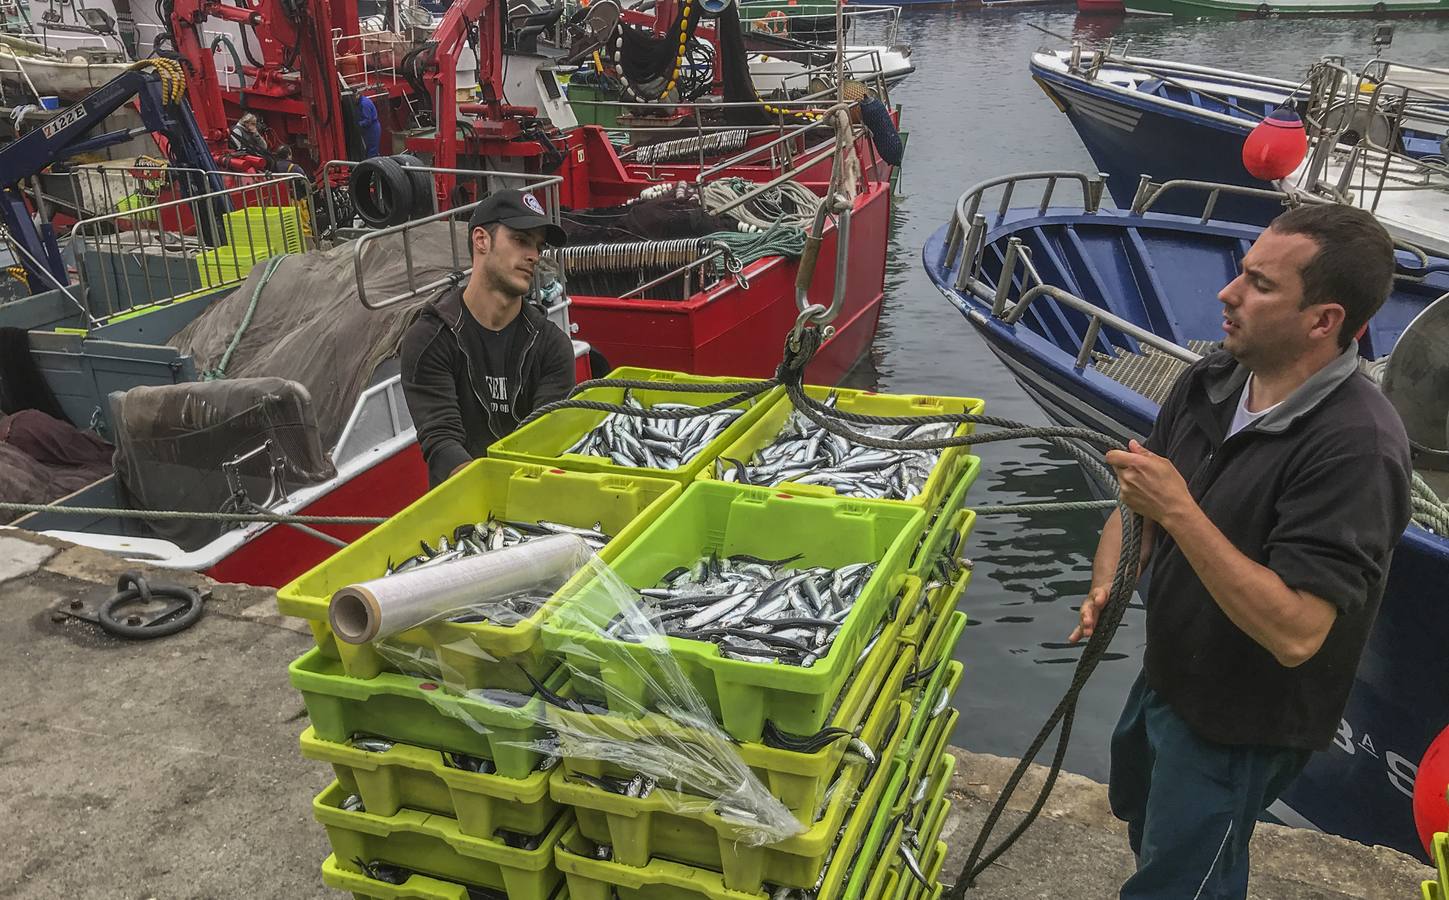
164,252
787,129
1353,110
886,18
104,187
968,226
366,57
872,70
1018,257
1150,193
477,183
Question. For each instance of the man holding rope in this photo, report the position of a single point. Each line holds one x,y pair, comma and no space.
1274,486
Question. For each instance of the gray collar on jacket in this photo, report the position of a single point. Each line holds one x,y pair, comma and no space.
449,307
1224,378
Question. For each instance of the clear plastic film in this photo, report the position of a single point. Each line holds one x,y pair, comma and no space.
623,713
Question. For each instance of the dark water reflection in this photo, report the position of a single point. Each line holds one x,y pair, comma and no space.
973,113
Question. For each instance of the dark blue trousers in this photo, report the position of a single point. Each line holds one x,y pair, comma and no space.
1189,804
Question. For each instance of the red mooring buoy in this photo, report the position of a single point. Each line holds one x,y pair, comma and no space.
1431,807
1275,146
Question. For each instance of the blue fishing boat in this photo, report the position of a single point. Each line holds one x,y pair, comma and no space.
1180,121
1097,311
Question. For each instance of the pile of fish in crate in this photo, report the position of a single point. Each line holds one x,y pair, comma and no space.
745,694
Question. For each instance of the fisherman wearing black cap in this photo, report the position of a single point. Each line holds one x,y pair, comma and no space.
478,360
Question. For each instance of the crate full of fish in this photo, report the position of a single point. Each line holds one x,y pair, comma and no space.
490,505
593,871
785,448
765,601
942,528
799,772
944,580
668,446
656,824
395,884
517,865
502,726
387,776
906,856
796,770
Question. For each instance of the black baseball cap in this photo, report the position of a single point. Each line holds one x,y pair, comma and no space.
517,210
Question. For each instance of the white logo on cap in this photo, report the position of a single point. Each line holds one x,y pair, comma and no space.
532,203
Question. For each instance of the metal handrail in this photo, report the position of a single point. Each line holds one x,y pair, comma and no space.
1150,192
206,211
752,152
549,184
967,227
1099,318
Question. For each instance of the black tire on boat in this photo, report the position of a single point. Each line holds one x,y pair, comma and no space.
1264,10
382,193
1380,9
422,184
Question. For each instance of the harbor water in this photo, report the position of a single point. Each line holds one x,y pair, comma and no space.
974,113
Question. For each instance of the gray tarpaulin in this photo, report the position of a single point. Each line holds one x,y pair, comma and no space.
308,325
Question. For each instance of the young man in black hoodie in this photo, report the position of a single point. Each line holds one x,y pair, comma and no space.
478,360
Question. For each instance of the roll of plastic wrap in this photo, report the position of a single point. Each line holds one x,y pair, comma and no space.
375,610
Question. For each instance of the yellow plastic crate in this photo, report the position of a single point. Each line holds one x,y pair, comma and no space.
943,477
622,505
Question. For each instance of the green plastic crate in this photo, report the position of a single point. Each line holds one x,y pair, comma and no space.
909,888
544,440
763,431
933,745
433,845
421,713
417,778
944,680
729,519
593,879
866,866
416,887
623,505
937,603
645,828
943,637
798,780
947,519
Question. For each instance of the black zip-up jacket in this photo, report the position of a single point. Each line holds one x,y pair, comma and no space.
1316,490
444,386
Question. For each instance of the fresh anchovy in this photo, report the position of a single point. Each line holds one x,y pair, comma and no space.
754,609
371,744
801,453
911,864
640,442
353,803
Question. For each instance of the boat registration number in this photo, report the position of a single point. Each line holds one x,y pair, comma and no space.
64,120
1401,773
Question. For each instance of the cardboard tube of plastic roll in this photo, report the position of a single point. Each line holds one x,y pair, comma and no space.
378,609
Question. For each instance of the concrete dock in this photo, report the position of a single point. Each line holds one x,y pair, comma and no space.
170,768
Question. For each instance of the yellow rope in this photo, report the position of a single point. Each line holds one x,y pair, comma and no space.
18,273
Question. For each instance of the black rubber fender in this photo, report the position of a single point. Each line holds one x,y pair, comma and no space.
883,131
382,192
131,587
424,202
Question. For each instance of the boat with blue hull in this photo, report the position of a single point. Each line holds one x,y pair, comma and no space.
1180,121
1100,311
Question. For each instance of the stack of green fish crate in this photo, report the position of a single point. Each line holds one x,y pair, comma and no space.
445,795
